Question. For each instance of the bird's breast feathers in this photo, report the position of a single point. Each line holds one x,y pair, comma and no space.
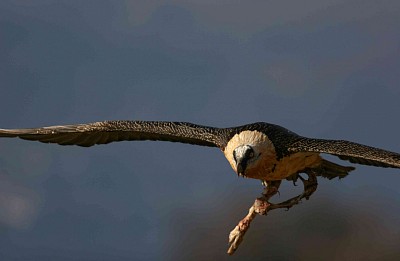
267,166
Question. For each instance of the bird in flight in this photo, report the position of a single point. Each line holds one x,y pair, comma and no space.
263,151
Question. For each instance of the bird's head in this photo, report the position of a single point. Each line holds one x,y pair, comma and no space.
244,156
250,153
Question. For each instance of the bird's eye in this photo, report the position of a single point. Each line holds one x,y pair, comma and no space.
251,154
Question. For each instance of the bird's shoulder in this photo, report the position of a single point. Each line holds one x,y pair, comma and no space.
279,136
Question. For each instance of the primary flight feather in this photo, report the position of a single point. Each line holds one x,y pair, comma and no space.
260,150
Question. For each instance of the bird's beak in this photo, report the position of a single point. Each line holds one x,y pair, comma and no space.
241,167
241,156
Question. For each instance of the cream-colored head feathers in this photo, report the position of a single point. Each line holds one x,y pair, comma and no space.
257,140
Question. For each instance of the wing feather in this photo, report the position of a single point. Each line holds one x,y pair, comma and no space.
111,131
351,151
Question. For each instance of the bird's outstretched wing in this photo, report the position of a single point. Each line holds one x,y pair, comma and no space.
110,131
346,150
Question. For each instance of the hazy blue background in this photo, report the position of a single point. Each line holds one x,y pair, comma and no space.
328,69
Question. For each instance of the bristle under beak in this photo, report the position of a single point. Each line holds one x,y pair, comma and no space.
240,168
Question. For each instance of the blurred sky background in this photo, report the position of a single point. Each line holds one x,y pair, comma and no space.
321,68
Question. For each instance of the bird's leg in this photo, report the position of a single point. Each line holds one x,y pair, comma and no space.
310,186
271,188
293,178
261,206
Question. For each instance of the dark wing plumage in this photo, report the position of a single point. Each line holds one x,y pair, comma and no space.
110,131
346,150
281,137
